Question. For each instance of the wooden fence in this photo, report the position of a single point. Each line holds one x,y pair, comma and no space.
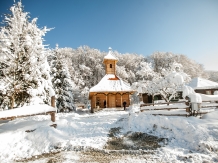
52,113
175,108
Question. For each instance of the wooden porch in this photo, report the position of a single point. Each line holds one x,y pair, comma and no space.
109,99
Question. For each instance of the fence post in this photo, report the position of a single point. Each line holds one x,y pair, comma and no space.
53,105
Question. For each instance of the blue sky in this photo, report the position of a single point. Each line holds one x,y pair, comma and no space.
188,27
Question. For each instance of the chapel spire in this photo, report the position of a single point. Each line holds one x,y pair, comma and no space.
110,62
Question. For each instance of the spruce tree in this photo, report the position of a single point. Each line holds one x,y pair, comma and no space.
24,70
62,83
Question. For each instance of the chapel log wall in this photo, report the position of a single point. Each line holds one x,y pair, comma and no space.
112,100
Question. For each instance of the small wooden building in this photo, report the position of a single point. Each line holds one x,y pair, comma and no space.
111,91
148,98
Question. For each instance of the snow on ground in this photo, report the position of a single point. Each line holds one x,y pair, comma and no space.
87,130
187,137
190,139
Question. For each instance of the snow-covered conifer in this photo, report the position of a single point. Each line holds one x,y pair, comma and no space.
62,83
24,69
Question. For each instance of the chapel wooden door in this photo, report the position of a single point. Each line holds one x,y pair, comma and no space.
112,101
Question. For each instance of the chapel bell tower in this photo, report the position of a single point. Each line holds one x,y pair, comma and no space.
110,63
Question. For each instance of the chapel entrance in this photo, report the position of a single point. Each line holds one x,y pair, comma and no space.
112,101
118,100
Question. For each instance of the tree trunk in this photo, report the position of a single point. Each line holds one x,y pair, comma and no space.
168,102
53,105
12,102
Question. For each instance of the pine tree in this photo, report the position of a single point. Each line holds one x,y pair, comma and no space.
62,83
24,70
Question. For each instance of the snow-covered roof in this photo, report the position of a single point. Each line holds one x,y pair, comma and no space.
111,83
110,55
200,83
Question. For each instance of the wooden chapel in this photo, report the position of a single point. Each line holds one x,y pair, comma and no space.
111,91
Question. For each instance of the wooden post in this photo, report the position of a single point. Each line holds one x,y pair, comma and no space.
53,105
95,101
92,108
53,101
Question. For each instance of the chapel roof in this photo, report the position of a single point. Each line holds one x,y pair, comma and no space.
111,83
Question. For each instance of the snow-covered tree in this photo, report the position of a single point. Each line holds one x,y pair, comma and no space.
86,69
161,60
24,69
145,71
62,83
130,66
165,83
171,80
150,87
190,67
121,72
212,75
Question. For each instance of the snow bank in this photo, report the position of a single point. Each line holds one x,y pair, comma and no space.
187,90
195,98
27,110
183,134
133,109
213,115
